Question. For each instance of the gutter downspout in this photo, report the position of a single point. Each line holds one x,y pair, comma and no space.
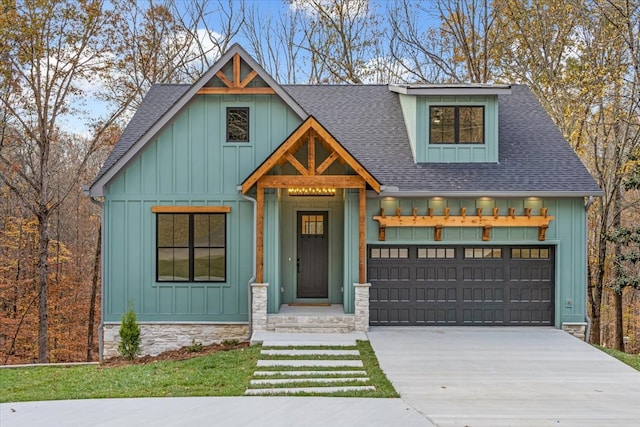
587,332
86,191
253,277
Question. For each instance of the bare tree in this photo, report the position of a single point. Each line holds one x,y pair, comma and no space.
443,40
276,42
51,52
339,37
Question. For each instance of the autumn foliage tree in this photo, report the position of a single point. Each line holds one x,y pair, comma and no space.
51,54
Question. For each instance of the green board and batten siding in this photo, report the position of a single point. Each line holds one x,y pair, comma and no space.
567,232
189,164
415,110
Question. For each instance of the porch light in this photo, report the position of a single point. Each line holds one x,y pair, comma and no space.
303,191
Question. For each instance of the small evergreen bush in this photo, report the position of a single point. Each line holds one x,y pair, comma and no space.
129,346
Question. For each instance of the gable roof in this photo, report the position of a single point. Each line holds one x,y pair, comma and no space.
163,102
534,158
292,144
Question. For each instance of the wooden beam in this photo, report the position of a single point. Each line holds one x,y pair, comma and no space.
295,138
275,157
463,221
260,235
311,153
190,209
222,76
362,240
346,156
252,75
326,163
236,70
332,181
208,90
296,164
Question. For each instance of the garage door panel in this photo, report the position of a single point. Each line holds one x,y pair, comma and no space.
483,294
482,316
460,285
441,316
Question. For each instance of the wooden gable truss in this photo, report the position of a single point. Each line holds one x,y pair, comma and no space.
236,84
310,174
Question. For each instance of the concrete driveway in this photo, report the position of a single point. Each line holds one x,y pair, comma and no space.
496,376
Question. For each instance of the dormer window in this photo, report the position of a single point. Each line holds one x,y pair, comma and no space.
456,124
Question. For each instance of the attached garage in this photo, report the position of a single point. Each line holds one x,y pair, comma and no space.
461,285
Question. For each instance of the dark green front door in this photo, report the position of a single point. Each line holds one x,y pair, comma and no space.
313,255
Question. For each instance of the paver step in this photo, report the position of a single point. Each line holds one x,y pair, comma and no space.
312,328
300,339
318,352
307,380
283,342
294,390
306,373
320,363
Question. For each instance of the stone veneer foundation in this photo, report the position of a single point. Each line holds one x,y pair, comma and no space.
577,329
159,337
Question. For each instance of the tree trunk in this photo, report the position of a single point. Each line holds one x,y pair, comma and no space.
43,307
94,291
618,332
618,335
596,281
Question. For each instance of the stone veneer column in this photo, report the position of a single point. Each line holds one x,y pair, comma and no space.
362,306
259,306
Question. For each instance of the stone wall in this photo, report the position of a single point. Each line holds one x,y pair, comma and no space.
362,306
159,337
578,329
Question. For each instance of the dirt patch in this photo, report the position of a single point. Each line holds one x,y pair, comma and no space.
183,353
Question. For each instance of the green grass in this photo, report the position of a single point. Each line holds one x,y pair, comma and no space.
632,360
226,373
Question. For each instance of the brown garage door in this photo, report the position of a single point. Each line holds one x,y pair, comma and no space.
461,285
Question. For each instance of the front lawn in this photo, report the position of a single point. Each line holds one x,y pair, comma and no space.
632,360
226,373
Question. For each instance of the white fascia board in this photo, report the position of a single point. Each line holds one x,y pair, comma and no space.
451,89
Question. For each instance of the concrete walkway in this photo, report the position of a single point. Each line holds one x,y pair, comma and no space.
493,376
213,411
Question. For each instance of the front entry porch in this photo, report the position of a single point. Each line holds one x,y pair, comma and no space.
311,319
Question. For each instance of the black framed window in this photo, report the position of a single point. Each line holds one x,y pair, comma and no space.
456,124
191,247
237,124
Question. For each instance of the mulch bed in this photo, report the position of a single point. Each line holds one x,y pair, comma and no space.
183,353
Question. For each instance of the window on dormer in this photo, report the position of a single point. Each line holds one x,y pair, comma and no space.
456,124
237,124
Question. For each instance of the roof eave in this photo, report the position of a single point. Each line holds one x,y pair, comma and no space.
451,90
397,193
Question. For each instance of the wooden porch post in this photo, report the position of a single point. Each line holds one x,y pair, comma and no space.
260,234
362,252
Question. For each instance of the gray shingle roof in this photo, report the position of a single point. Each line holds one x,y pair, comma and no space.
367,120
155,103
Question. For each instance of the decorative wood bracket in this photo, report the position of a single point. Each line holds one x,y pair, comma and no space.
463,220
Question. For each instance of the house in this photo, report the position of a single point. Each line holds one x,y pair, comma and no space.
229,202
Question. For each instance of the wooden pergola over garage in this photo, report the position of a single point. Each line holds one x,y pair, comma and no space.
310,175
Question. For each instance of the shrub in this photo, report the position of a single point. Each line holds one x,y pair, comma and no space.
129,346
195,347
